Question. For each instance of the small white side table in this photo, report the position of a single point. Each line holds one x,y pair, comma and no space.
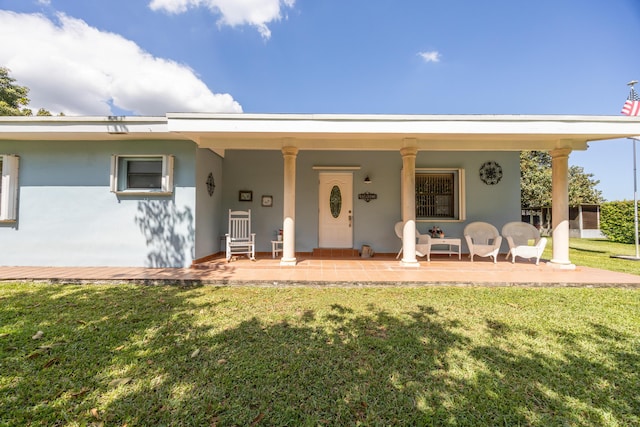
448,241
276,248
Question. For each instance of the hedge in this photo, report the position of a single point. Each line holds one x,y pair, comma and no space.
617,221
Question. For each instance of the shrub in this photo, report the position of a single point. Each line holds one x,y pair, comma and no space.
617,221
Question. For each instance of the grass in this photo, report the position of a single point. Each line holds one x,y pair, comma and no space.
215,356
597,253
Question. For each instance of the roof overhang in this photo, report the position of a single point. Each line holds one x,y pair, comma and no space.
392,132
220,132
66,128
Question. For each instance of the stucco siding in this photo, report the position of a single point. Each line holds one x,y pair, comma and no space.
208,206
262,173
67,215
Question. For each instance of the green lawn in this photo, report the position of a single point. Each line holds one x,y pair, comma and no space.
597,253
214,356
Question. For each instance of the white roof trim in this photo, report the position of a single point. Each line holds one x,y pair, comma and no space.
219,132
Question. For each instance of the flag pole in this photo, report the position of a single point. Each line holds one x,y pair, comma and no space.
631,108
635,186
635,197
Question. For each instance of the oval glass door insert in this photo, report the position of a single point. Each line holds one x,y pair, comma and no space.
335,201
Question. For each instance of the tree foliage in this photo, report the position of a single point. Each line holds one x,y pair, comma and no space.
536,185
582,188
535,179
13,97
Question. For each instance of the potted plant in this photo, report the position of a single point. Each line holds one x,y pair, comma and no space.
436,232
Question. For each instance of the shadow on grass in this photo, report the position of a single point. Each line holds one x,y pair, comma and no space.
573,387
155,356
591,251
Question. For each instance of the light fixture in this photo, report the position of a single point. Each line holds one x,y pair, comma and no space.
367,180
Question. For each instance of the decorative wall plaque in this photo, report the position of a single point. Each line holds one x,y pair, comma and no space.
367,197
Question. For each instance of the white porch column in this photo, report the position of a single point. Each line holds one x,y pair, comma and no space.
409,205
289,207
560,208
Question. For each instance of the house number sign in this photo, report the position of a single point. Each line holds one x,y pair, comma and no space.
367,197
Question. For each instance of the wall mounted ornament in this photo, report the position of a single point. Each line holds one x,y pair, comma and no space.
367,197
211,184
490,173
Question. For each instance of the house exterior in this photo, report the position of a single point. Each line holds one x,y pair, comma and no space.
156,191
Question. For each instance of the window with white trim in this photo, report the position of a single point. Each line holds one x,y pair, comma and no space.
8,188
440,194
142,174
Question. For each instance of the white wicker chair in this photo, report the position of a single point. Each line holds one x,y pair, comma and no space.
423,245
483,239
524,241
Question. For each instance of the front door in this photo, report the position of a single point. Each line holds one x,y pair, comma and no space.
336,210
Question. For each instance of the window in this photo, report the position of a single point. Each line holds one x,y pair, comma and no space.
142,174
8,187
439,194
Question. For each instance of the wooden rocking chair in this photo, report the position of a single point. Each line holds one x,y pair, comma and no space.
240,240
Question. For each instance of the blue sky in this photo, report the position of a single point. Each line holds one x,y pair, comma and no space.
149,57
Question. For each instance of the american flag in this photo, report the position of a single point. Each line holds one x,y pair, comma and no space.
632,106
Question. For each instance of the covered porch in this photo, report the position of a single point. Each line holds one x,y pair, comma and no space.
408,136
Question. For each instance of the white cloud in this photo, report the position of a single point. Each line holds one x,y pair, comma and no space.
433,56
257,13
44,2
76,69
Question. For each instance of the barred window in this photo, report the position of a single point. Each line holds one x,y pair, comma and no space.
438,194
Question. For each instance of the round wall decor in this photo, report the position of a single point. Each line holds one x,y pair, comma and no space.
211,184
490,173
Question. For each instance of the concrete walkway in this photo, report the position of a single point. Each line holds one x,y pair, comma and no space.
377,271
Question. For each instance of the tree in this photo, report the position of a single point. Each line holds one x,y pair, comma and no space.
582,188
535,179
536,186
13,98
43,112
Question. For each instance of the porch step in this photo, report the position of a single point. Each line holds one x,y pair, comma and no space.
335,253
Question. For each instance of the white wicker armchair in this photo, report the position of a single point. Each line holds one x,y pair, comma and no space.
524,241
483,239
423,245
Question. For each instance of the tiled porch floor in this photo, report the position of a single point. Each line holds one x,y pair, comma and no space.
380,270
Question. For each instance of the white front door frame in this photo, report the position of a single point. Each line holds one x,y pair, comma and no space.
335,226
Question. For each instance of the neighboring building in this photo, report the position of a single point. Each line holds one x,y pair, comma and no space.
584,220
141,191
